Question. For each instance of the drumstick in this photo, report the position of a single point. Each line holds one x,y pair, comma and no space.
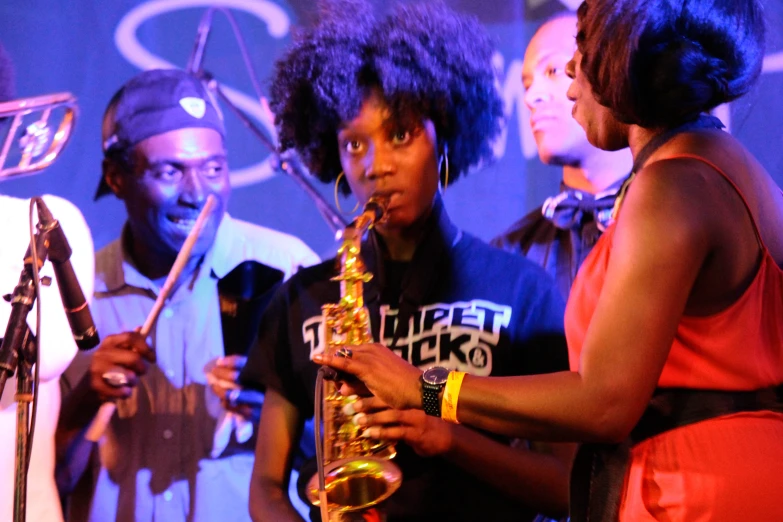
106,411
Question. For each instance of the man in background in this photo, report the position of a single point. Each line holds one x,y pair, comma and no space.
180,446
559,235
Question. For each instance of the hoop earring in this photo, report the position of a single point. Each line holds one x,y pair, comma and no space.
444,158
337,196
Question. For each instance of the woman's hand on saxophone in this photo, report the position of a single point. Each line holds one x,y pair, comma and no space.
384,373
428,436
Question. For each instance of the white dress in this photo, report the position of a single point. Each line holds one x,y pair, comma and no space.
57,350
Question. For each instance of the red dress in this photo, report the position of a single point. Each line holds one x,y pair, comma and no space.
727,468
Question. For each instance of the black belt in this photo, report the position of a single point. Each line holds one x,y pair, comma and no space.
598,473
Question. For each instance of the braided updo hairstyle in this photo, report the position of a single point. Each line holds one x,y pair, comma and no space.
427,62
669,59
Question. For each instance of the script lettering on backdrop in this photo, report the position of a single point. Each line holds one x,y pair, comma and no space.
278,25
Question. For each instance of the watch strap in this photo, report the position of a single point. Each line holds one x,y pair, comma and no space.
430,401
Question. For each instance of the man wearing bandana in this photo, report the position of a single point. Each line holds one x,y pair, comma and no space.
179,447
561,233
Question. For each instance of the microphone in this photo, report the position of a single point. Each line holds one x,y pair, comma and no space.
76,310
197,56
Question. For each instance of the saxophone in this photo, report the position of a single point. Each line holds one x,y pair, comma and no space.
354,471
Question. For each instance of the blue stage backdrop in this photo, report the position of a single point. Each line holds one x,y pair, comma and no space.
90,47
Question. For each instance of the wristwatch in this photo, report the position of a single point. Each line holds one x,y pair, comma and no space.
432,382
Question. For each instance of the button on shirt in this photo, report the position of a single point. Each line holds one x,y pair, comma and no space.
155,462
56,351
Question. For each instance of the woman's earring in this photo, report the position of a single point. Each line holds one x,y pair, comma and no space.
337,196
444,158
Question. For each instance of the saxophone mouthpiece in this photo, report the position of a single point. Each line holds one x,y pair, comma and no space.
377,205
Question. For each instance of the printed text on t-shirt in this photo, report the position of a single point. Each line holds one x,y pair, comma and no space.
460,336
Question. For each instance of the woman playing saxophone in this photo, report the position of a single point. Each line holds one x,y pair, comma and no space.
398,108
674,321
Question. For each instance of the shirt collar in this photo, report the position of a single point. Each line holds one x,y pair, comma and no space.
611,189
123,271
219,259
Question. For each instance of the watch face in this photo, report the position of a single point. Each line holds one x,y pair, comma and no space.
435,375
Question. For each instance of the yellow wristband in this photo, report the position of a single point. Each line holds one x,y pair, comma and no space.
448,407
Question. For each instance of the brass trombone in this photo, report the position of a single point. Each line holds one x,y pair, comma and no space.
38,145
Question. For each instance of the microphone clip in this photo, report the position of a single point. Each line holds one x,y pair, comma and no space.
15,347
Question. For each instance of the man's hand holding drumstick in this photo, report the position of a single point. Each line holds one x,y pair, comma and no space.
118,363
121,359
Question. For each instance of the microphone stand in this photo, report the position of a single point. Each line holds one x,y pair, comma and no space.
19,353
24,397
287,162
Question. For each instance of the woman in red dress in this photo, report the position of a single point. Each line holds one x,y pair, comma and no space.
675,321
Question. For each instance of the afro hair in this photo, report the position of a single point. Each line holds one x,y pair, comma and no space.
427,61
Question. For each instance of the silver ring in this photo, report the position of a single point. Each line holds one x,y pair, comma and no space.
115,379
345,352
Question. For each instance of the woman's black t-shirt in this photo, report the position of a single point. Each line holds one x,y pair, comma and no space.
464,305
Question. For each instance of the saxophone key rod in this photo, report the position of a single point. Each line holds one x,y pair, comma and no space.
354,473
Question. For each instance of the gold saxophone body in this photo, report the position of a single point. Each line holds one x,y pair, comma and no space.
357,471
